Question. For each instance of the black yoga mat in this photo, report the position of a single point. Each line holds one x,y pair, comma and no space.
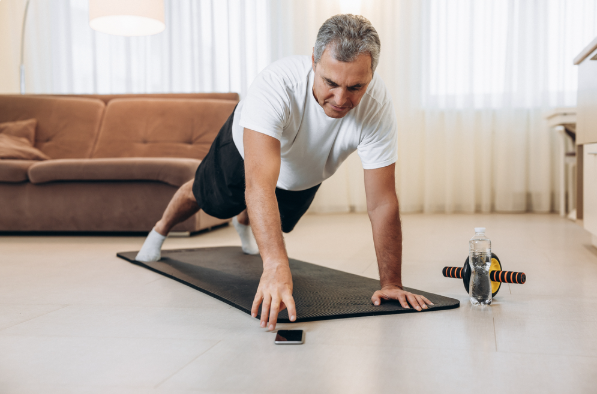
320,293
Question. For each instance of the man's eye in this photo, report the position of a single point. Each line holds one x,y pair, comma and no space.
354,89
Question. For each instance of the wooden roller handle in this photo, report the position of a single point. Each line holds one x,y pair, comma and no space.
508,277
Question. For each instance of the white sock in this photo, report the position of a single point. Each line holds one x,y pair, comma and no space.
249,244
152,247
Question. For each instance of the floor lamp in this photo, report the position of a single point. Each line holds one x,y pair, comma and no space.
22,66
118,17
127,17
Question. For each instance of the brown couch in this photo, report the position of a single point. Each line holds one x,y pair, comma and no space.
116,160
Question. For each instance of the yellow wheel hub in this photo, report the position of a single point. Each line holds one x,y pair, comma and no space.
495,266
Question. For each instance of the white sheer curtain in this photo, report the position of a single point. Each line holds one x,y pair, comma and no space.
208,46
490,71
471,81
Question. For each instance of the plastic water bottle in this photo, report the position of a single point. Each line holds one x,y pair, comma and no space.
480,260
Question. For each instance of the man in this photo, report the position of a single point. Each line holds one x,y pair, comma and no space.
300,120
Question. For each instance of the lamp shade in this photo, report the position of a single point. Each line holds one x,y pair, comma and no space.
127,17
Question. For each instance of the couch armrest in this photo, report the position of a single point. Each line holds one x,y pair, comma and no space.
172,171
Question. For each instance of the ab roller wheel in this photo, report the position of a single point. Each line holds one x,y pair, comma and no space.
496,274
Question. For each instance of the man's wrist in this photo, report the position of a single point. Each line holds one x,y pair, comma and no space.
272,264
388,286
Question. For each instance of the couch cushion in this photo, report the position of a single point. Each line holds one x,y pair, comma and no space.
66,127
20,128
172,171
17,148
15,171
161,127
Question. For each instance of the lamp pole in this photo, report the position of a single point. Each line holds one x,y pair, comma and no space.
22,67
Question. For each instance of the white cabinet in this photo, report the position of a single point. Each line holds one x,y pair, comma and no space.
590,189
586,136
587,100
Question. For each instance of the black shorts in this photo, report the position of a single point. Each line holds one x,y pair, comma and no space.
219,186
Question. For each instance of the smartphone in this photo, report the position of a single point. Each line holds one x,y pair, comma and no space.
290,337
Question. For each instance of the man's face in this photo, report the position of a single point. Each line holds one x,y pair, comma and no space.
340,86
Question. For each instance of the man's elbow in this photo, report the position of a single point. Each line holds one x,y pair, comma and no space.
257,190
388,206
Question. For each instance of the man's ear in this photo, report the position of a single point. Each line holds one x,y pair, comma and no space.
313,59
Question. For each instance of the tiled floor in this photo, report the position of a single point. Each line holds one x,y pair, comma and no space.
76,319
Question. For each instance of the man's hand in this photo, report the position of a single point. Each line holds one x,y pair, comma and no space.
275,291
396,293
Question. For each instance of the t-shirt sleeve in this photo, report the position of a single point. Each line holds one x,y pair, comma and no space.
379,142
266,106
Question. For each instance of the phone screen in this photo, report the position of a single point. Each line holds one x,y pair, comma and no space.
289,337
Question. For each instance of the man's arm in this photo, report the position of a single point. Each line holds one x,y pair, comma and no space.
262,168
382,206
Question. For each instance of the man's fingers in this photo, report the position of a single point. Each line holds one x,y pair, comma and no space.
402,300
376,299
273,314
412,299
256,303
289,301
405,298
265,309
421,302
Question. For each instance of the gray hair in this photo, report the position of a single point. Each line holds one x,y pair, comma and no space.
350,36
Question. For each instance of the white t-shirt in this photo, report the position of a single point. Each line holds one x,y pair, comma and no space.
280,104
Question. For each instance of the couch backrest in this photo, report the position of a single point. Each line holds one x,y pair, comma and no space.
66,127
161,127
108,97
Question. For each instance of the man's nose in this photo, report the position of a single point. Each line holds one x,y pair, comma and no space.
341,97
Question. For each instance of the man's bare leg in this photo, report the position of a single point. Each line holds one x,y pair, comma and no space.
242,225
182,206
